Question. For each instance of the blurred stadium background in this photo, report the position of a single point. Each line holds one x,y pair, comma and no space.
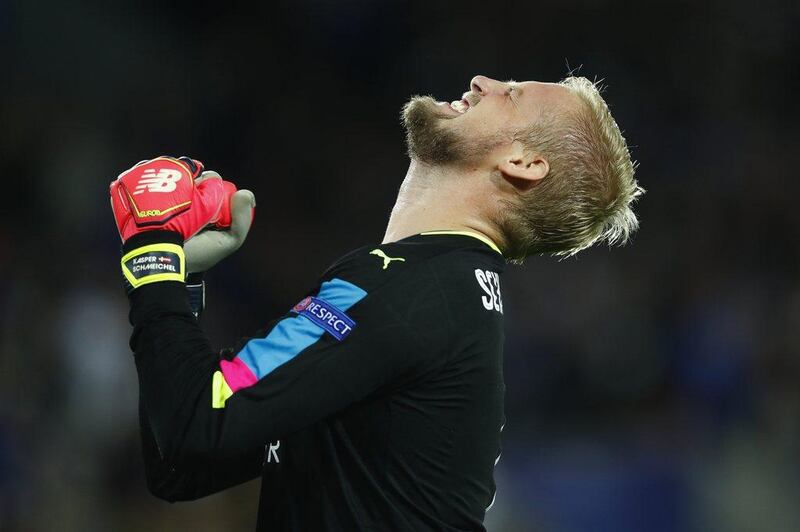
652,388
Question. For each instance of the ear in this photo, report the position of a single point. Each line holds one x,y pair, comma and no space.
523,170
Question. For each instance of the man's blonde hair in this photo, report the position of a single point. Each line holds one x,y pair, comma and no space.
586,197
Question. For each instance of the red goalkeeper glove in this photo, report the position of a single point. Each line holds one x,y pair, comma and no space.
157,206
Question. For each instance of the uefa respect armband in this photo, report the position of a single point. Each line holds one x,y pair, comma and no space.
326,316
153,263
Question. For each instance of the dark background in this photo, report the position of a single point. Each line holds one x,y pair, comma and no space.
650,388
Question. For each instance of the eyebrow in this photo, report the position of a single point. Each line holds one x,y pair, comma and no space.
514,96
517,86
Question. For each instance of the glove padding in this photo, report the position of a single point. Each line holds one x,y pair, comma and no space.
160,194
210,246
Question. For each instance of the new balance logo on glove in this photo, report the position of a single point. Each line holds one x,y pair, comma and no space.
161,180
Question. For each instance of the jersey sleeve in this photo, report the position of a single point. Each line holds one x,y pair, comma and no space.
336,347
188,482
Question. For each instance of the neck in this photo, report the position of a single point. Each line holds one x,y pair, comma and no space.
434,198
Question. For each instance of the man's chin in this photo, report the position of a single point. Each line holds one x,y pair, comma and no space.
427,138
426,107
432,139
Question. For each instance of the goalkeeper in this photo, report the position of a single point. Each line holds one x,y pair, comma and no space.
376,402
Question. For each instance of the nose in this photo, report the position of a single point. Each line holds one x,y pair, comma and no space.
483,85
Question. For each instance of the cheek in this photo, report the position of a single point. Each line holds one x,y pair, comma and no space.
482,122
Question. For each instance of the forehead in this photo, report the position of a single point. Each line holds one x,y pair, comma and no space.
538,95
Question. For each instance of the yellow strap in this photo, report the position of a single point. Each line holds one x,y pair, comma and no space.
220,391
154,277
479,236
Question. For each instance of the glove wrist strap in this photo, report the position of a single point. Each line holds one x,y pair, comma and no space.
151,257
196,288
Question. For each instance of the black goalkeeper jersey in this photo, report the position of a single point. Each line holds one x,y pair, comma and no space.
375,403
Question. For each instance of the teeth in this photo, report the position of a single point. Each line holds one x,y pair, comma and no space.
459,106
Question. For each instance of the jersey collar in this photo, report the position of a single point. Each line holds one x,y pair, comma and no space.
486,240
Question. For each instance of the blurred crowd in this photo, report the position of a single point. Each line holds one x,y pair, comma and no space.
649,388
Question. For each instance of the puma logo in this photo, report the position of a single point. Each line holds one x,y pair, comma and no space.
386,259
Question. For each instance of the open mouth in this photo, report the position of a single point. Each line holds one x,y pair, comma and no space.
467,102
460,106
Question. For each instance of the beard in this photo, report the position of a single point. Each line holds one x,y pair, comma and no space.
432,138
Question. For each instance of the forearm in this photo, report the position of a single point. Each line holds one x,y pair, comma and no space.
174,361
